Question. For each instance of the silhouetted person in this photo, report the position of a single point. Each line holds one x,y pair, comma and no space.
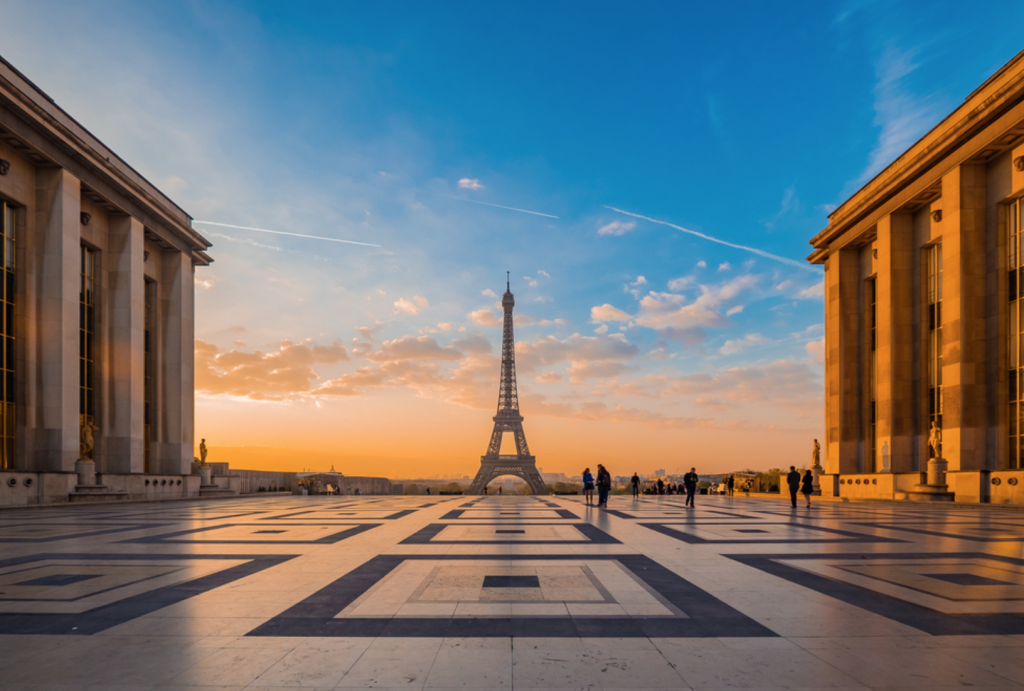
635,483
729,484
793,478
604,485
807,487
690,483
588,486
661,486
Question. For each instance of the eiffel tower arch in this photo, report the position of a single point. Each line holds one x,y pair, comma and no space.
508,420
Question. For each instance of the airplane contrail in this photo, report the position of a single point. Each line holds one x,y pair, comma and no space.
497,206
762,253
281,232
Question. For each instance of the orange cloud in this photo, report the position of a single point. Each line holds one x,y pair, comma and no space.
272,376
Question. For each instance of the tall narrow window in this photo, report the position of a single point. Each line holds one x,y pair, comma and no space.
872,384
150,398
934,354
7,336
1015,380
86,340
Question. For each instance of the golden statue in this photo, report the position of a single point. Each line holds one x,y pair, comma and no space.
202,451
816,454
86,440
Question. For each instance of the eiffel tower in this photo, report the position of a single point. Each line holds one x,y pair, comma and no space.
508,419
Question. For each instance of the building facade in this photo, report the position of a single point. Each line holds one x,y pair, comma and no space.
924,291
96,331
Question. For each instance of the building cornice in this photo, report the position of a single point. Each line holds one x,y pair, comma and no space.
925,159
40,122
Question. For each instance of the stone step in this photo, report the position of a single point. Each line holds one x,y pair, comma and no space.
93,496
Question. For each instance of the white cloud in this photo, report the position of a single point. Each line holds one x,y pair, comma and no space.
616,228
901,116
205,284
484,317
470,184
814,292
816,351
420,300
640,280
406,306
724,266
544,273
444,326
734,310
548,378
734,346
608,313
673,315
682,283
702,264
603,329
489,293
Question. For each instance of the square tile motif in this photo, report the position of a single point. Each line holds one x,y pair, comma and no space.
44,531
472,596
496,534
940,594
766,533
975,531
87,593
262,534
475,514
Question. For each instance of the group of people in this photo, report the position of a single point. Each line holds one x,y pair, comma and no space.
604,485
603,482
804,485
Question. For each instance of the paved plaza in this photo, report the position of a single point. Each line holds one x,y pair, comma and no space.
506,592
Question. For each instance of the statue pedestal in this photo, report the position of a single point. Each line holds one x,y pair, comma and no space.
935,489
937,472
86,470
816,471
205,475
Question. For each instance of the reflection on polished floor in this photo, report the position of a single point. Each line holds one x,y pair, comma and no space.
506,592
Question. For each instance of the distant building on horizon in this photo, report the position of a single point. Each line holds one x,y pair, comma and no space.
924,311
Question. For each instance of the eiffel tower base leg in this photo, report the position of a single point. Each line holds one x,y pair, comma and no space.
522,467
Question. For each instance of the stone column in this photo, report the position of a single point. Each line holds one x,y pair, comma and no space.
842,380
125,334
58,228
963,317
177,363
894,305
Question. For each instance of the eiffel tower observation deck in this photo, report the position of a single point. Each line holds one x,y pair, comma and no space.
508,419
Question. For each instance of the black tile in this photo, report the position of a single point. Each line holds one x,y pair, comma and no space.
511,582
965,579
59,579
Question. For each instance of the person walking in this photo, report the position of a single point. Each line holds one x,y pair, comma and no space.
661,486
635,484
729,484
604,485
690,483
793,478
588,486
807,486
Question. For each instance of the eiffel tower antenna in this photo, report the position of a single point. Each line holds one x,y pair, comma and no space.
508,418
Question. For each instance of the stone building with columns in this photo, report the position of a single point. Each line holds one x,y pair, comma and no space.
97,328
924,290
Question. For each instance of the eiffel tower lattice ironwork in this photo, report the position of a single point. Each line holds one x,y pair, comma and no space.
508,420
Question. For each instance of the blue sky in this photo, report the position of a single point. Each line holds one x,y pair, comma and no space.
386,123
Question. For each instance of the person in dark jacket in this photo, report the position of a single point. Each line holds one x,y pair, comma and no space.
635,482
604,485
730,484
807,486
793,478
588,486
690,483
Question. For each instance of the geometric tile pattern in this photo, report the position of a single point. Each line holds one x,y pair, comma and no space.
494,592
